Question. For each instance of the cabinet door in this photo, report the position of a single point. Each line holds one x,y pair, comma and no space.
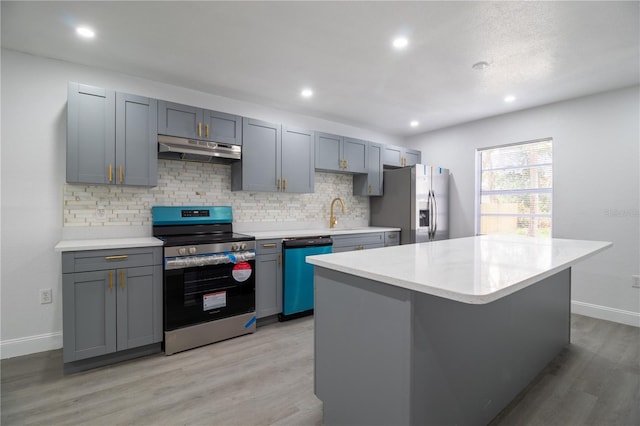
328,152
355,153
223,128
89,309
90,134
180,120
412,157
261,155
139,306
392,156
370,183
298,172
136,140
268,285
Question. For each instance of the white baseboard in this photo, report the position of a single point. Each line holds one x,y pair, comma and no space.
606,313
30,345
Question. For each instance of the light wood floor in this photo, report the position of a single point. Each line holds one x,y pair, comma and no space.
267,378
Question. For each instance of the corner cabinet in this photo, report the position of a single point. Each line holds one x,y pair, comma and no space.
275,158
335,153
398,156
111,305
111,137
370,183
268,277
196,123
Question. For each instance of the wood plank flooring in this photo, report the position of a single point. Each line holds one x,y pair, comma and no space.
267,379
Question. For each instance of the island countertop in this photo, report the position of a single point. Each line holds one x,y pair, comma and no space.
473,270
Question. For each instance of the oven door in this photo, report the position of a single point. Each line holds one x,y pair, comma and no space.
199,294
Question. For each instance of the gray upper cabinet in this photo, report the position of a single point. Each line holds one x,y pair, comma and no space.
196,123
274,159
298,174
136,140
339,154
91,138
370,183
397,156
111,137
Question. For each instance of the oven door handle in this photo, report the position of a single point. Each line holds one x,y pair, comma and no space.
207,260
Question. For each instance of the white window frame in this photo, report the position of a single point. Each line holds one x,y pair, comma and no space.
478,189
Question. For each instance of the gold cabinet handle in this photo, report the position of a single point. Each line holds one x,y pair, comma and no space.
200,130
110,172
269,245
392,236
118,257
284,184
278,184
120,174
110,280
206,131
122,279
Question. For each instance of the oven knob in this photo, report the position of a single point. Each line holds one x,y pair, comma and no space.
234,247
192,250
243,246
182,251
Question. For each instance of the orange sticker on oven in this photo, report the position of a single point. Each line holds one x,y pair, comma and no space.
241,271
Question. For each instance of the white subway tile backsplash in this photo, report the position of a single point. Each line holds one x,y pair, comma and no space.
190,183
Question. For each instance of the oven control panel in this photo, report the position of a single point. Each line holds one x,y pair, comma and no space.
195,213
203,249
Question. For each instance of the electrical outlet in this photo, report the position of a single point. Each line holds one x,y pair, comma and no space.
636,281
101,212
45,296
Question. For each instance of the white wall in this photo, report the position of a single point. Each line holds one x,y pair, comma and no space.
34,95
596,143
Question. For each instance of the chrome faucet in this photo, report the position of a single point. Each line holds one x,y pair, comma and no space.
333,221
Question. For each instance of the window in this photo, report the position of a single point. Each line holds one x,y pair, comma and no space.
515,189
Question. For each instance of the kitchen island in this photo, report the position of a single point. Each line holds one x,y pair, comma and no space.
445,332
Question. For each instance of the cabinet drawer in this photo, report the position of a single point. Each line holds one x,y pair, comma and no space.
357,247
340,241
97,260
391,238
268,247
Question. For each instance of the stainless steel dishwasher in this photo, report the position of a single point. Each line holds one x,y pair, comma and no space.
297,280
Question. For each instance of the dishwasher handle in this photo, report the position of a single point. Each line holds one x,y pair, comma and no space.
307,242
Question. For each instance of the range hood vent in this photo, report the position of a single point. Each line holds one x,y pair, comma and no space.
174,148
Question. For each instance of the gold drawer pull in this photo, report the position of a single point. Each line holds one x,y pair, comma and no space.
119,257
110,172
122,279
120,174
392,235
269,245
110,280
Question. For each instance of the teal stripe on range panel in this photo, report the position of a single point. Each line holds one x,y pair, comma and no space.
172,215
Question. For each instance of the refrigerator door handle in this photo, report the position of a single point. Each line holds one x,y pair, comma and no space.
431,218
435,213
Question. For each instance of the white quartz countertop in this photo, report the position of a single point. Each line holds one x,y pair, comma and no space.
313,232
106,243
472,270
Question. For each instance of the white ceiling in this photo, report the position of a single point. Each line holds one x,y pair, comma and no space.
266,52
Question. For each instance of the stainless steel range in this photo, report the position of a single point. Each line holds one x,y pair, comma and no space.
209,276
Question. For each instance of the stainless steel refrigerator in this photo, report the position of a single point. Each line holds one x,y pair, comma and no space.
415,199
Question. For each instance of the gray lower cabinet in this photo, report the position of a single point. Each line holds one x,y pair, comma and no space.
391,238
112,302
351,242
268,278
398,156
370,183
335,153
275,158
111,137
197,123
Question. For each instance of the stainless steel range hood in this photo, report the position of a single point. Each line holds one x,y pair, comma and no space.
174,148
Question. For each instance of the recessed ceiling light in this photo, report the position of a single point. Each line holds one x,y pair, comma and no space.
480,65
414,123
509,98
85,32
306,93
400,42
